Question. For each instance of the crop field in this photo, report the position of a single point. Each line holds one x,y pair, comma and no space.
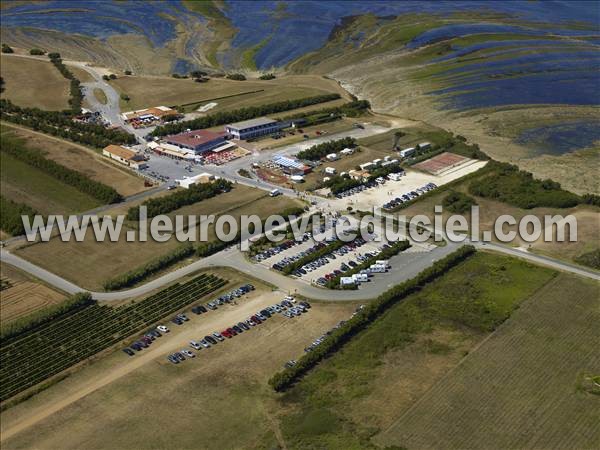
33,83
384,370
23,183
23,295
47,350
152,91
90,263
525,387
83,160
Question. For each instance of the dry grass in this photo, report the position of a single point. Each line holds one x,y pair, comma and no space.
90,263
81,159
152,91
522,387
24,296
33,83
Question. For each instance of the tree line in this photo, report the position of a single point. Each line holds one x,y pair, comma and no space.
100,191
351,109
10,216
316,152
282,380
236,115
178,199
75,84
60,124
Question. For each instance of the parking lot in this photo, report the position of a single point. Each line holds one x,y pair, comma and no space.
379,195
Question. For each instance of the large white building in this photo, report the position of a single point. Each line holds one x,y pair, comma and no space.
253,128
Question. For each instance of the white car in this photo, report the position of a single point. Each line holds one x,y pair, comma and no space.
188,353
196,345
162,329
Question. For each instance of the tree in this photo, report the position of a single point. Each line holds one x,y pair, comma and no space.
37,52
7,49
112,76
128,72
125,97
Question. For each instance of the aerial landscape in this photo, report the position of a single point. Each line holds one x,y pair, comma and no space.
299,224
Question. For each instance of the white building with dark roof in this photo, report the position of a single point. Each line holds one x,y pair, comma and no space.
253,128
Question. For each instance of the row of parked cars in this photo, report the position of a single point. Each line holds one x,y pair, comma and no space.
349,265
321,338
146,340
356,189
287,307
409,196
349,247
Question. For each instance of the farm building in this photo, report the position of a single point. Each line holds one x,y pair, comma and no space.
147,117
125,156
198,141
252,128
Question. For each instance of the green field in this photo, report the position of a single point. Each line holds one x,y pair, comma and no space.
380,373
25,184
528,386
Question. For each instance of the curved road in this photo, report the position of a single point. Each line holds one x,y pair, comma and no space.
404,267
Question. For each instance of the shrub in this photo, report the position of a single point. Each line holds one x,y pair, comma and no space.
128,72
267,76
516,187
282,380
236,77
458,203
7,49
236,115
36,52
590,259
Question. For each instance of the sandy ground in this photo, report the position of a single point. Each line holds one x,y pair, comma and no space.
376,197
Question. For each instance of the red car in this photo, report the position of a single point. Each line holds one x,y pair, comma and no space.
226,333
232,331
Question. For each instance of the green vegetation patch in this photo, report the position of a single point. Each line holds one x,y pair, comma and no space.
10,216
458,203
318,408
589,259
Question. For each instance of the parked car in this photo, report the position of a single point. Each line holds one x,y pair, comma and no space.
128,351
162,329
188,353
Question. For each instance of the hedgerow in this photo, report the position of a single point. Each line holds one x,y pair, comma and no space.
319,151
178,199
286,378
100,191
236,115
10,216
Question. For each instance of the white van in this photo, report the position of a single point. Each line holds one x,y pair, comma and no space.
377,269
383,262
360,277
275,193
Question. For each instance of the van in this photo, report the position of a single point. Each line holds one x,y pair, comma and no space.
275,193
360,277
377,268
383,262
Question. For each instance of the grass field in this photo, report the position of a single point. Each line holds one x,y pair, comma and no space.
100,95
523,387
90,263
24,294
25,184
33,83
152,91
77,158
386,368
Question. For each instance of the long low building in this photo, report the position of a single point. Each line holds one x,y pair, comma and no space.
125,156
253,128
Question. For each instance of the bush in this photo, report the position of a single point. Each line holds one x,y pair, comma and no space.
510,185
125,97
590,259
141,273
178,76
128,72
100,191
36,52
176,200
54,55
267,76
236,77
7,49
458,203
319,151
19,327
251,112
286,378
10,216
